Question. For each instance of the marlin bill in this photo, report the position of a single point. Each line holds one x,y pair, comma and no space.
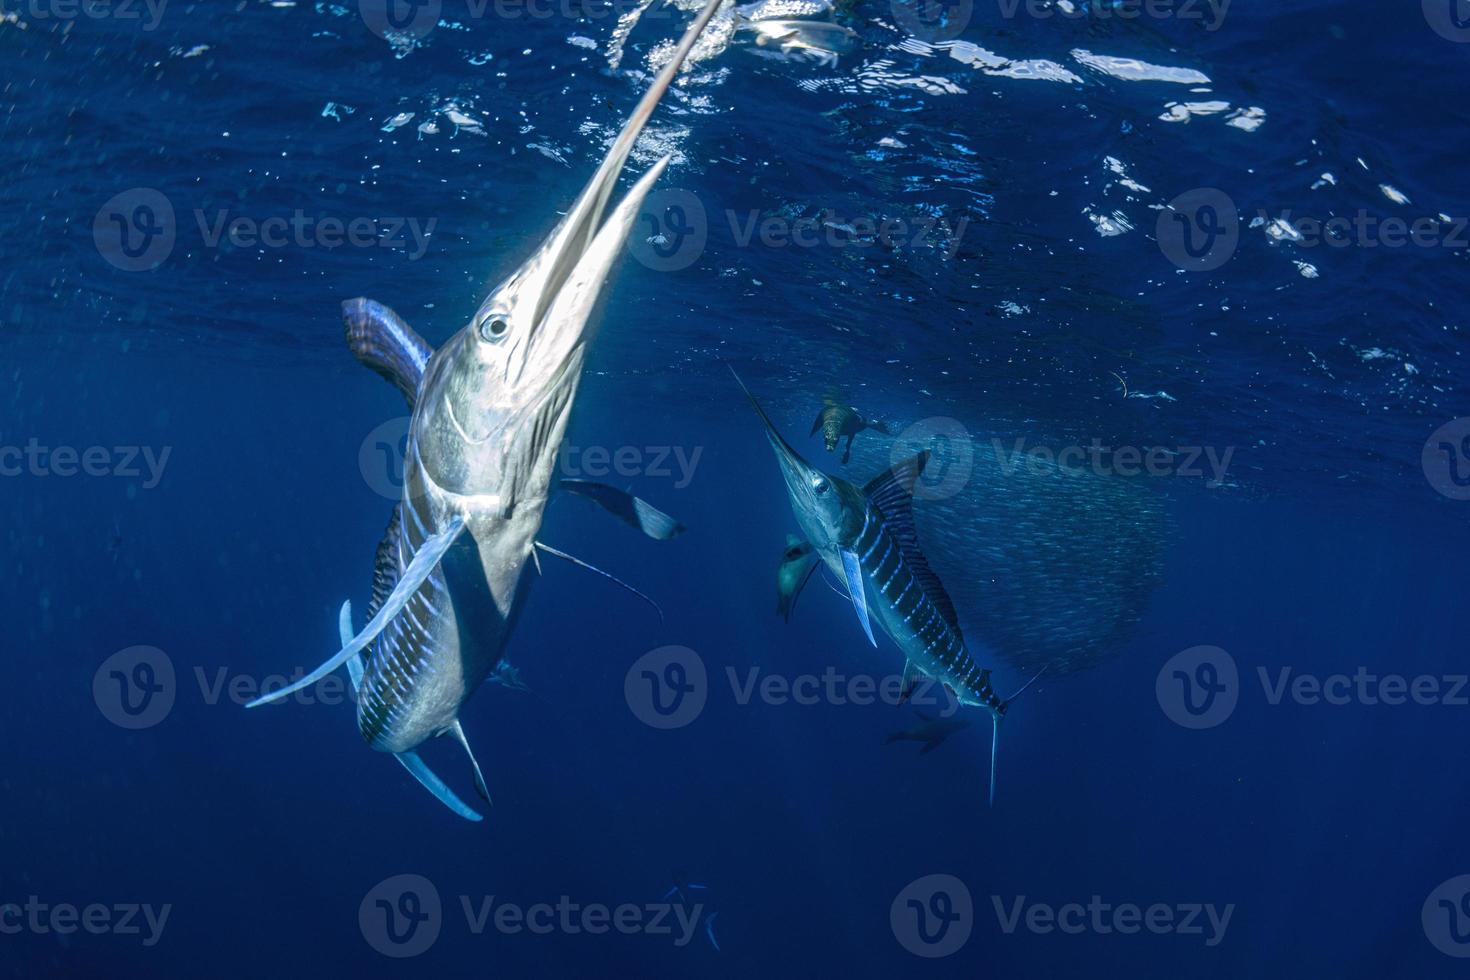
490,409
867,538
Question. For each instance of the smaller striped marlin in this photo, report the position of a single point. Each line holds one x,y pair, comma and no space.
866,536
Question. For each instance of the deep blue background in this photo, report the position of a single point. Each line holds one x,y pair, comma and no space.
1326,826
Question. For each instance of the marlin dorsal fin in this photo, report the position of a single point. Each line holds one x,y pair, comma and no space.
892,491
891,494
379,338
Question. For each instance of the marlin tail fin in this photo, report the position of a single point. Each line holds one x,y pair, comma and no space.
995,717
411,761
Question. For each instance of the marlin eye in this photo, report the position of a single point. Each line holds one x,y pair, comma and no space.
494,329
820,485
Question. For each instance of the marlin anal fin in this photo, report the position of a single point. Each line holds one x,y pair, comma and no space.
429,554
457,730
912,678
854,571
380,339
411,761
631,510
607,575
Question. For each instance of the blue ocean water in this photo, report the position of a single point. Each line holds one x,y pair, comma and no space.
1221,248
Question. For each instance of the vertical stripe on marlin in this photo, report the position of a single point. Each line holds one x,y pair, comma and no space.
881,555
404,653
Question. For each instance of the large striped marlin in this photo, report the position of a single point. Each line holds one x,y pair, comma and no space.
490,408
866,537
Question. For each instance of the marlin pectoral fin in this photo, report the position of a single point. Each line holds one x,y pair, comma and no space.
607,575
457,730
627,508
854,572
827,581
380,339
413,576
410,760
803,559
